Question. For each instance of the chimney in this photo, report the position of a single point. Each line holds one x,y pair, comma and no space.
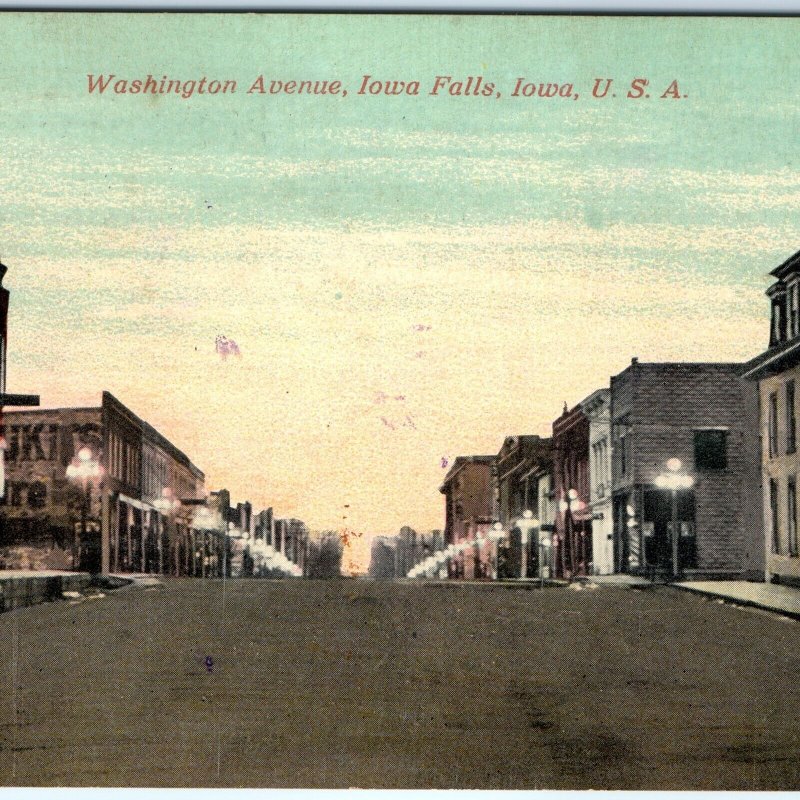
634,361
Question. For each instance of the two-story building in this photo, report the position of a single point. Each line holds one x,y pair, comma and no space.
99,489
467,488
597,409
522,463
685,471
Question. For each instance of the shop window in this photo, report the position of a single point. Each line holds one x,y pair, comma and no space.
791,508
711,449
37,495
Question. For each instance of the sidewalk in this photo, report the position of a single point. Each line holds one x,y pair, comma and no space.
617,580
20,588
769,596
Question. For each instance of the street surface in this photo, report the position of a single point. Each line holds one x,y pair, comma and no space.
352,683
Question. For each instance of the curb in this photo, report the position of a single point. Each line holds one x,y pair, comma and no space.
795,615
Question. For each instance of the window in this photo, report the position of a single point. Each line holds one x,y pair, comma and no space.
772,424
791,507
623,454
794,310
777,324
791,421
37,495
773,507
711,449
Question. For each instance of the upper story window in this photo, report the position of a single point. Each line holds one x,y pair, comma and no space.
791,419
793,310
772,425
777,294
711,449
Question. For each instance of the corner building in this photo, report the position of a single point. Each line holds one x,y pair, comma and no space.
777,374
135,515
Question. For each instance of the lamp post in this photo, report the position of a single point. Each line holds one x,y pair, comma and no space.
568,506
497,535
529,522
673,480
82,470
544,543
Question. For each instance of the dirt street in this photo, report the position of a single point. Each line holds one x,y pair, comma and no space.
399,685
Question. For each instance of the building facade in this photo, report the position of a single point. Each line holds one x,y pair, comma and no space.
685,471
597,409
776,372
469,500
519,467
100,490
7,399
572,542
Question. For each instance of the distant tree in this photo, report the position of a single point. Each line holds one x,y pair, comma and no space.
325,556
381,561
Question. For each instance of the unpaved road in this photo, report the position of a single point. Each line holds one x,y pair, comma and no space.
352,683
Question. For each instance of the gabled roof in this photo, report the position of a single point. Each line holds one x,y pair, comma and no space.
459,463
792,264
773,361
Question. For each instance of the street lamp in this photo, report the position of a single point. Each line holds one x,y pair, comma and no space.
529,522
673,480
82,470
544,543
568,507
496,535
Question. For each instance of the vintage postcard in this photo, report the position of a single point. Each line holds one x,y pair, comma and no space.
399,401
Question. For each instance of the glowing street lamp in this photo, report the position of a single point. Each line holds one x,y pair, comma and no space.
496,535
83,470
673,480
528,522
544,544
568,507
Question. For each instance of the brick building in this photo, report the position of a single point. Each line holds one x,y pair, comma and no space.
572,542
583,541
99,489
7,399
679,424
597,409
522,463
777,374
469,501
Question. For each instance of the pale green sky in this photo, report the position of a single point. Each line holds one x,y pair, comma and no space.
485,259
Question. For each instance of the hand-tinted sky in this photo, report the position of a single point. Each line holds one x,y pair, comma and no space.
407,278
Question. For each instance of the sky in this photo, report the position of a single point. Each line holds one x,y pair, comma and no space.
407,278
